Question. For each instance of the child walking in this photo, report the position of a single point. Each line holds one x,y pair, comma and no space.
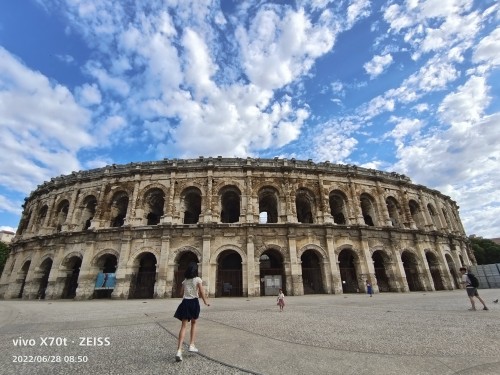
281,300
189,308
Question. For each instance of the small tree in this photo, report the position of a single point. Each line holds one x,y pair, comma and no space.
485,251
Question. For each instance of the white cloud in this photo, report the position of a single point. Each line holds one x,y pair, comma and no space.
404,127
42,126
88,94
488,49
9,206
377,65
356,10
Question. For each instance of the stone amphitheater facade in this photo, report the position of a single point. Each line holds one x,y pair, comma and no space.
330,228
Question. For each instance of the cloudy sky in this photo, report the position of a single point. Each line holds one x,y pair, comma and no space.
406,86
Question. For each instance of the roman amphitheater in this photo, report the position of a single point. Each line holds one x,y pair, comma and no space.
252,225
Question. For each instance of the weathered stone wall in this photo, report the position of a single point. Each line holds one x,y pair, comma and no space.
335,227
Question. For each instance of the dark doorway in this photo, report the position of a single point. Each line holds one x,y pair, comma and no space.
453,272
311,273
107,265
44,281
184,260
272,273
410,265
71,282
24,271
435,272
143,282
380,272
229,275
348,272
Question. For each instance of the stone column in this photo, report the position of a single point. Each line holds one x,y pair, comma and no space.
297,287
357,215
208,214
54,289
31,286
448,282
131,218
369,267
86,277
70,220
162,289
409,223
334,272
169,202
383,212
250,217
252,279
208,282
428,280
123,270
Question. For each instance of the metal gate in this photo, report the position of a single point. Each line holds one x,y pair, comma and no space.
271,290
143,285
311,279
349,280
229,283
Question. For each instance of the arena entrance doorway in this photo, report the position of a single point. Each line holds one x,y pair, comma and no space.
24,273
143,282
348,271
435,272
107,269
71,282
312,279
272,273
410,265
181,266
45,268
229,281
451,267
379,258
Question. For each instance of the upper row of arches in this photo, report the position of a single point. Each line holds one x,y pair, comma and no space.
229,205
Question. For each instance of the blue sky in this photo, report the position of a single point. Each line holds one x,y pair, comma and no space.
406,86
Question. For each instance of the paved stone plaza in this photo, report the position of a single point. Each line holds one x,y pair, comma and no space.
400,333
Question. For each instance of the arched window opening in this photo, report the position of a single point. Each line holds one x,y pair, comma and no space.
230,206
304,203
416,213
272,273
432,214
42,215
338,208
413,277
312,275
88,212
435,271
268,202
192,207
445,214
229,275
24,223
61,214
394,211
368,209
119,208
348,272
154,200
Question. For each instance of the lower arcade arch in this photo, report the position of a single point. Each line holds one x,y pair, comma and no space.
312,273
272,273
23,274
143,279
43,280
106,265
413,277
453,271
71,279
380,263
433,263
181,266
229,282
348,260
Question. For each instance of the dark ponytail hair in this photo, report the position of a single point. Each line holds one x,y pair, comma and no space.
191,271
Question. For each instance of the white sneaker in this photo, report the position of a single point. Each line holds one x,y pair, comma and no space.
178,356
193,349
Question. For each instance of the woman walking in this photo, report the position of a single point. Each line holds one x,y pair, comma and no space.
189,308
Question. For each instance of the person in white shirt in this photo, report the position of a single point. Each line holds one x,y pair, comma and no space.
471,290
189,308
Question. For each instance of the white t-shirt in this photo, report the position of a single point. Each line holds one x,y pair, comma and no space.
190,287
466,280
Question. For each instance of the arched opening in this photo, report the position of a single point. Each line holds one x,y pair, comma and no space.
192,206
154,200
143,282
24,270
338,207
106,278
379,263
368,210
394,211
348,273
272,273
88,212
45,268
304,204
446,219
311,273
119,206
268,202
433,215
42,215
229,281
23,225
410,265
435,272
451,267
181,266
230,202
61,214
416,213
71,283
